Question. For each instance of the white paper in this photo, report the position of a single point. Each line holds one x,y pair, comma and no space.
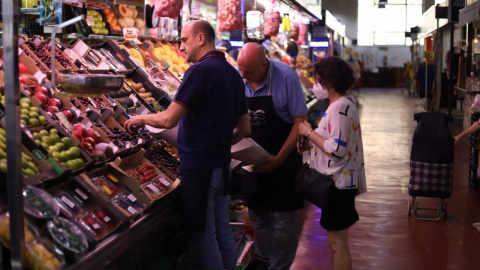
169,135
249,152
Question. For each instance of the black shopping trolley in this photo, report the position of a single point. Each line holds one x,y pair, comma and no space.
431,163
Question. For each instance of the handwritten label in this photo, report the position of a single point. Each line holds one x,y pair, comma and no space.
107,219
130,33
96,226
39,76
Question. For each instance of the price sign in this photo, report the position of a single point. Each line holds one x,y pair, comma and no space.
130,33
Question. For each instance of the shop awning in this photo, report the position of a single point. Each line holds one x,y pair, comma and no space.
469,14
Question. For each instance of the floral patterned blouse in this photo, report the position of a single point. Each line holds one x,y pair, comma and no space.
343,160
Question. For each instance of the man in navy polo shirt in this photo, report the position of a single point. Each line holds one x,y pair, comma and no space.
211,109
276,107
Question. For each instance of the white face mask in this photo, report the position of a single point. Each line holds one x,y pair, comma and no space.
319,91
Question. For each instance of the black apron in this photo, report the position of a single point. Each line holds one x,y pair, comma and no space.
271,191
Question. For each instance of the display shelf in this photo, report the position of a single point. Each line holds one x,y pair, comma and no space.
30,11
92,37
112,246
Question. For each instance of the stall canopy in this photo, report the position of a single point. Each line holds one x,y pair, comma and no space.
469,14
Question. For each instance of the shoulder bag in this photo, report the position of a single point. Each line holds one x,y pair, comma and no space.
314,186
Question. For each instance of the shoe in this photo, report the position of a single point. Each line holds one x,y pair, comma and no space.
476,225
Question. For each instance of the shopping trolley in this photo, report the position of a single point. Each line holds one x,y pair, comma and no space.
431,163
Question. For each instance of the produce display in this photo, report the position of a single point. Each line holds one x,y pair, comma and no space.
167,8
52,121
96,23
28,167
60,149
174,58
272,22
158,158
112,20
143,173
129,18
39,257
39,203
67,235
5,230
229,15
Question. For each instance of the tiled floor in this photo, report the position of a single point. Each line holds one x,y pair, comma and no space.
385,237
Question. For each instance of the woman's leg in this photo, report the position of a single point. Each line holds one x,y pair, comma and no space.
338,241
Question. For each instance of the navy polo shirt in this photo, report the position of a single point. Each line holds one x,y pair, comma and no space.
214,94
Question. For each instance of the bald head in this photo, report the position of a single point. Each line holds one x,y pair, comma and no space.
205,28
252,53
252,62
198,38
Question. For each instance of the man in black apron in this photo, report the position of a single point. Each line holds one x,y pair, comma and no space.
276,106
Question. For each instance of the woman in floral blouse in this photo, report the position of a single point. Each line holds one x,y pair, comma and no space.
336,150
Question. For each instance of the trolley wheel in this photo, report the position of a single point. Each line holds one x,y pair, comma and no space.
410,207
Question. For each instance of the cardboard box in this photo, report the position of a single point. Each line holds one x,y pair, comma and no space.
124,181
131,162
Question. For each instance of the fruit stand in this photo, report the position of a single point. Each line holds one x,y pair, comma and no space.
90,189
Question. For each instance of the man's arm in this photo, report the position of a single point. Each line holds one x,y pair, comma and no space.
166,119
242,129
288,146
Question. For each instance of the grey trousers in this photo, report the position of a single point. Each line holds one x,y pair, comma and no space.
276,237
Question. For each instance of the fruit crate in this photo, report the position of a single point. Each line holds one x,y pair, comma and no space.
79,202
112,52
160,95
108,191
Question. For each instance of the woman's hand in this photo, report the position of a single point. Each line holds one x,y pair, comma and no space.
305,147
304,128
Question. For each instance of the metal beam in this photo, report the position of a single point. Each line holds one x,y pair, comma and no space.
10,12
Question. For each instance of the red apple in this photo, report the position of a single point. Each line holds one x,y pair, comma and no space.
89,140
43,98
53,109
69,114
41,89
92,133
87,146
78,135
80,128
22,68
54,101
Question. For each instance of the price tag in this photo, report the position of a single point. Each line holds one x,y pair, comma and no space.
131,210
153,188
64,121
39,76
90,20
130,33
37,42
20,51
134,98
96,226
164,182
131,198
38,154
67,202
107,219
81,194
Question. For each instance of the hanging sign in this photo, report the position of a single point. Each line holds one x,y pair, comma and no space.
454,7
255,23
